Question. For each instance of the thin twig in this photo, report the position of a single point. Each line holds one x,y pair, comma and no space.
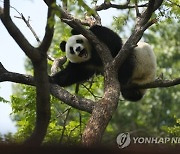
27,23
80,125
137,9
71,132
80,118
173,3
88,89
64,4
64,125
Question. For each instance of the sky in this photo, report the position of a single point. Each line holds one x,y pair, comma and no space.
12,57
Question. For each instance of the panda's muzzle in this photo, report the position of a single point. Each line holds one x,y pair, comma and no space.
83,53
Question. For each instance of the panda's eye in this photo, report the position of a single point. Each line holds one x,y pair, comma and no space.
79,41
71,50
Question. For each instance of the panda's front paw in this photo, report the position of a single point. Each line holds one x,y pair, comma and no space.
58,63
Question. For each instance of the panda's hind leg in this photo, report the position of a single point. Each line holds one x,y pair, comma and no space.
132,94
136,94
143,78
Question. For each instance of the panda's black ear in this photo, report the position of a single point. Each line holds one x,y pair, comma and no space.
62,45
74,32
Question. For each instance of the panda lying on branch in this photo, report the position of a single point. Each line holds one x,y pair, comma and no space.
139,68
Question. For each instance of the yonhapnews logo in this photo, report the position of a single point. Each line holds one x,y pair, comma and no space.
124,139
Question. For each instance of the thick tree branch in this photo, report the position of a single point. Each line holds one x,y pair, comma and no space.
42,103
107,5
72,100
49,30
157,4
6,8
17,78
158,83
148,12
78,102
58,92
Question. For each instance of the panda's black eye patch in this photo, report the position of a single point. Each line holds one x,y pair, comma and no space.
79,41
71,50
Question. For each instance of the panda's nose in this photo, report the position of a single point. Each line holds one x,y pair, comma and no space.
78,49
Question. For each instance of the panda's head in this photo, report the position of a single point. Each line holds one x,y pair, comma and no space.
77,48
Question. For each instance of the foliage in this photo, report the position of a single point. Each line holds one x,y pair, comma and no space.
173,130
3,100
23,105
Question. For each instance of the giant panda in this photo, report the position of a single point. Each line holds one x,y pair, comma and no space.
84,60
139,68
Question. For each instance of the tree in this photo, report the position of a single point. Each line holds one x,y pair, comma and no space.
103,109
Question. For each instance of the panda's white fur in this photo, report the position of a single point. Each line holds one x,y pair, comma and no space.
145,65
82,51
145,60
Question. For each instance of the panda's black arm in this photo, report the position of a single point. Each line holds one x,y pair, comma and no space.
73,73
108,37
74,32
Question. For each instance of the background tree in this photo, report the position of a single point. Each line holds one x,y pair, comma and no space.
67,124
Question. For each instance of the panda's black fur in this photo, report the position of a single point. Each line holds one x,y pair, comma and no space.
132,71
